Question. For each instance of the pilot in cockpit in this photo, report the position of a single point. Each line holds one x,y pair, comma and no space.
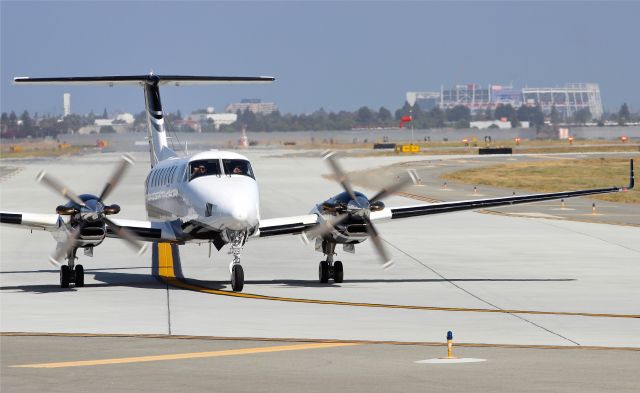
200,170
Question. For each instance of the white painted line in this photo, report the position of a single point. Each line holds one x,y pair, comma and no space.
450,360
536,215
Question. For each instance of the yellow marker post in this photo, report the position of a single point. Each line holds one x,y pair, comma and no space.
593,208
450,345
562,204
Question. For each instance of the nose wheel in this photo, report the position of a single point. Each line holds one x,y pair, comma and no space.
237,273
237,278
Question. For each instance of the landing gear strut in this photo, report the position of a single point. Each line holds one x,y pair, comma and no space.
71,273
330,269
237,273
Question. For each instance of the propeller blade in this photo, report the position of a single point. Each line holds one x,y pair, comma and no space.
324,228
125,162
63,249
393,188
385,258
57,186
341,176
129,237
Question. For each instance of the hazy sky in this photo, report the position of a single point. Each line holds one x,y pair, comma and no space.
333,55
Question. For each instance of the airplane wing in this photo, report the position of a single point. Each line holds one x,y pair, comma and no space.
144,230
37,221
149,231
454,206
287,225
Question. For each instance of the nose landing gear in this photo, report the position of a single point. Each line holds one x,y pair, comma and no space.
235,268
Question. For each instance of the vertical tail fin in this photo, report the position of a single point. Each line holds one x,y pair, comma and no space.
158,147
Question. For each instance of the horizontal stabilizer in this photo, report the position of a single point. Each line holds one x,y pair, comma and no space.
152,79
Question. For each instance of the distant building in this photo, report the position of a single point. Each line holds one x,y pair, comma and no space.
189,123
127,118
567,99
503,125
66,104
209,115
254,105
103,122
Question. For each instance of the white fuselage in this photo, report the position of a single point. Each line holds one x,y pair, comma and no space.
213,190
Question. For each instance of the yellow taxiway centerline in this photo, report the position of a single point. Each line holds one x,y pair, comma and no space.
317,340
167,273
181,356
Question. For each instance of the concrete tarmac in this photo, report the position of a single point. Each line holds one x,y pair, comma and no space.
451,266
117,364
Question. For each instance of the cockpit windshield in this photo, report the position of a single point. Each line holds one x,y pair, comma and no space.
204,168
237,167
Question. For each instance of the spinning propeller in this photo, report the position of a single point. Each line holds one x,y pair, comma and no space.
359,208
90,210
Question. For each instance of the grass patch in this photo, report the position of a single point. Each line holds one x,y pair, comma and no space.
557,175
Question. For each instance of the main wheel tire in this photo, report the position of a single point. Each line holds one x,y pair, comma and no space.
338,272
323,272
79,276
237,278
65,275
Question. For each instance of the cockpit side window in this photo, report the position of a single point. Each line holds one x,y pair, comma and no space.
237,167
201,168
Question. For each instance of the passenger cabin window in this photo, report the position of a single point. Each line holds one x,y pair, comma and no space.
179,176
201,168
173,169
238,167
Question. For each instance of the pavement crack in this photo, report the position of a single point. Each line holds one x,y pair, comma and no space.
434,271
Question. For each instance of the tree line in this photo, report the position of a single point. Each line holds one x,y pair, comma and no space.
460,116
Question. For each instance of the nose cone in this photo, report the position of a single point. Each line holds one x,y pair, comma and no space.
239,214
233,201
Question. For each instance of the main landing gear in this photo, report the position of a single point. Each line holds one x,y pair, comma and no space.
71,273
235,268
329,269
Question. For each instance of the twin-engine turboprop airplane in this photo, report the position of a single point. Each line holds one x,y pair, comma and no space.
213,197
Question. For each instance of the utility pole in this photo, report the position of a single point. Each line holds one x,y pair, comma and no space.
411,100
411,115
